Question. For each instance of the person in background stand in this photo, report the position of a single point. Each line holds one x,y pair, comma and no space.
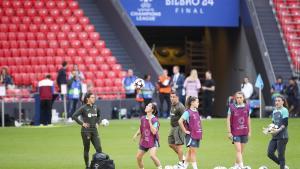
208,94
62,75
148,90
78,73
247,88
278,88
128,84
46,91
192,84
74,94
164,89
292,97
5,78
177,83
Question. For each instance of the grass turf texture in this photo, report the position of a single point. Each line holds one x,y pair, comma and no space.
60,147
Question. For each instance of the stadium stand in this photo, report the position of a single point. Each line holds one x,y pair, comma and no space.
36,36
288,17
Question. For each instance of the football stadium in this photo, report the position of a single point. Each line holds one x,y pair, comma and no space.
149,84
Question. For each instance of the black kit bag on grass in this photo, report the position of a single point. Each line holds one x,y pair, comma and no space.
102,161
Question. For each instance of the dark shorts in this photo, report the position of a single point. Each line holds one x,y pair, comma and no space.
190,142
146,149
240,139
176,136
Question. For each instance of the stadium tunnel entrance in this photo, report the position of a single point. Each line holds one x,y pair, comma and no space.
222,50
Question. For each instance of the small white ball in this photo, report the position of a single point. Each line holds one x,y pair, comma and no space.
263,167
105,122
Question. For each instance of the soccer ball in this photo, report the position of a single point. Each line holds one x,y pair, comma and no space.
270,128
138,83
105,122
263,167
168,167
220,167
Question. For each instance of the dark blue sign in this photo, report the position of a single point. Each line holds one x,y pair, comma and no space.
221,13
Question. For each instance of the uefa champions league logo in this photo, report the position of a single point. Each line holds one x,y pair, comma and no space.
146,3
145,12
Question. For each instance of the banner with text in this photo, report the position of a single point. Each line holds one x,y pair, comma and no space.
217,13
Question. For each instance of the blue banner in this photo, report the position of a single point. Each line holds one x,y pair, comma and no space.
216,13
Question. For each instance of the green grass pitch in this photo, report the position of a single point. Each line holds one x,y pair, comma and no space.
60,147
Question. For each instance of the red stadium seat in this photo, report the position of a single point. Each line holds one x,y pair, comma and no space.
99,83
15,20
30,36
9,11
50,52
16,4
111,75
105,52
100,44
72,36
72,20
5,20
81,66
95,36
116,67
40,36
23,27
76,28
32,44
38,4
22,43
65,28
54,28
13,44
27,4
60,20
69,60
58,60
78,13
12,28
61,36
84,20
61,4
66,13
43,44
93,52
81,52
111,60
88,60
104,67
41,53
87,44
3,28
31,12
50,4
31,52
83,36
51,67
64,44
51,36
15,53
6,4
37,20
108,82
89,28
17,79
118,82
33,28
53,44
78,60
5,45
89,75
92,67
20,12
73,5
60,52
24,52
3,36
75,44
12,36
26,20
21,36
43,28
99,60
48,20
54,13
71,52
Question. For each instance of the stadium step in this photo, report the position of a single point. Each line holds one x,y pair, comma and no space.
274,43
96,17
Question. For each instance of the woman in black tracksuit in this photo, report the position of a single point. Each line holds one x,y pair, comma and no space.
90,120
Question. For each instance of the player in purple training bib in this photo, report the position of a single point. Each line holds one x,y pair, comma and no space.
149,140
190,123
239,126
